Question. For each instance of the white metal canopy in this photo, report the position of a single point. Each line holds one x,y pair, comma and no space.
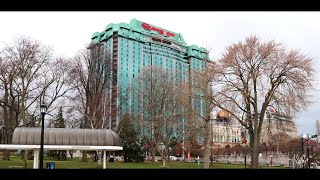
61,147
65,139
66,136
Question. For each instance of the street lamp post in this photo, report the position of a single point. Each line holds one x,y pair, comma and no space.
306,138
308,155
245,160
211,143
43,110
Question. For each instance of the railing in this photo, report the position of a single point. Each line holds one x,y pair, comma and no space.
263,161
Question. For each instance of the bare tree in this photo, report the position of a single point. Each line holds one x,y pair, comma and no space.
29,56
9,100
92,79
197,97
92,82
162,112
253,76
30,74
58,83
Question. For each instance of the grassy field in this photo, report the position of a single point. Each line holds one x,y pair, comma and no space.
76,163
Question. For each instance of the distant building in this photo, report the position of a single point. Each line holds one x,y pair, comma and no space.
228,132
276,128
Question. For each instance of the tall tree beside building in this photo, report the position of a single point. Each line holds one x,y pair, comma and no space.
91,80
253,76
162,113
198,93
91,77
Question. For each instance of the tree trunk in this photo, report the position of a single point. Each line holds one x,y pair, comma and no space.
23,116
255,152
255,156
9,134
84,156
164,156
164,162
57,155
7,123
153,153
6,155
71,153
85,125
168,154
206,146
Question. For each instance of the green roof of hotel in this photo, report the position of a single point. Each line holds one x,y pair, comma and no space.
136,26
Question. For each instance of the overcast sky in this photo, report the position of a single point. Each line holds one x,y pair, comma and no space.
68,32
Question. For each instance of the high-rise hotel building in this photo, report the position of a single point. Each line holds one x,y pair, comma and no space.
139,45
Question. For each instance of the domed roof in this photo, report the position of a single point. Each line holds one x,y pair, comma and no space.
222,114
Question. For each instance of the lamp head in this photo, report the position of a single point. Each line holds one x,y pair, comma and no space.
304,135
43,108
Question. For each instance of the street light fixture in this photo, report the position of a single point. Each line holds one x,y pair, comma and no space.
306,138
43,110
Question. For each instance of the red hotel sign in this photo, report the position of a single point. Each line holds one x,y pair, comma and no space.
160,31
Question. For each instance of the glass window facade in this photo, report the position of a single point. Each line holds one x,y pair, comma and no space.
137,49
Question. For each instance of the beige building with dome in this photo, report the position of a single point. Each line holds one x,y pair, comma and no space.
276,129
226,131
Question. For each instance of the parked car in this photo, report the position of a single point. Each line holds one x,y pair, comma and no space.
173,158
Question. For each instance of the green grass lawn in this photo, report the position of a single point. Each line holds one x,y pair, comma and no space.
76,163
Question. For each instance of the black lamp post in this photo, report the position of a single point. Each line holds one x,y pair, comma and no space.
43,110
307,138
211,143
